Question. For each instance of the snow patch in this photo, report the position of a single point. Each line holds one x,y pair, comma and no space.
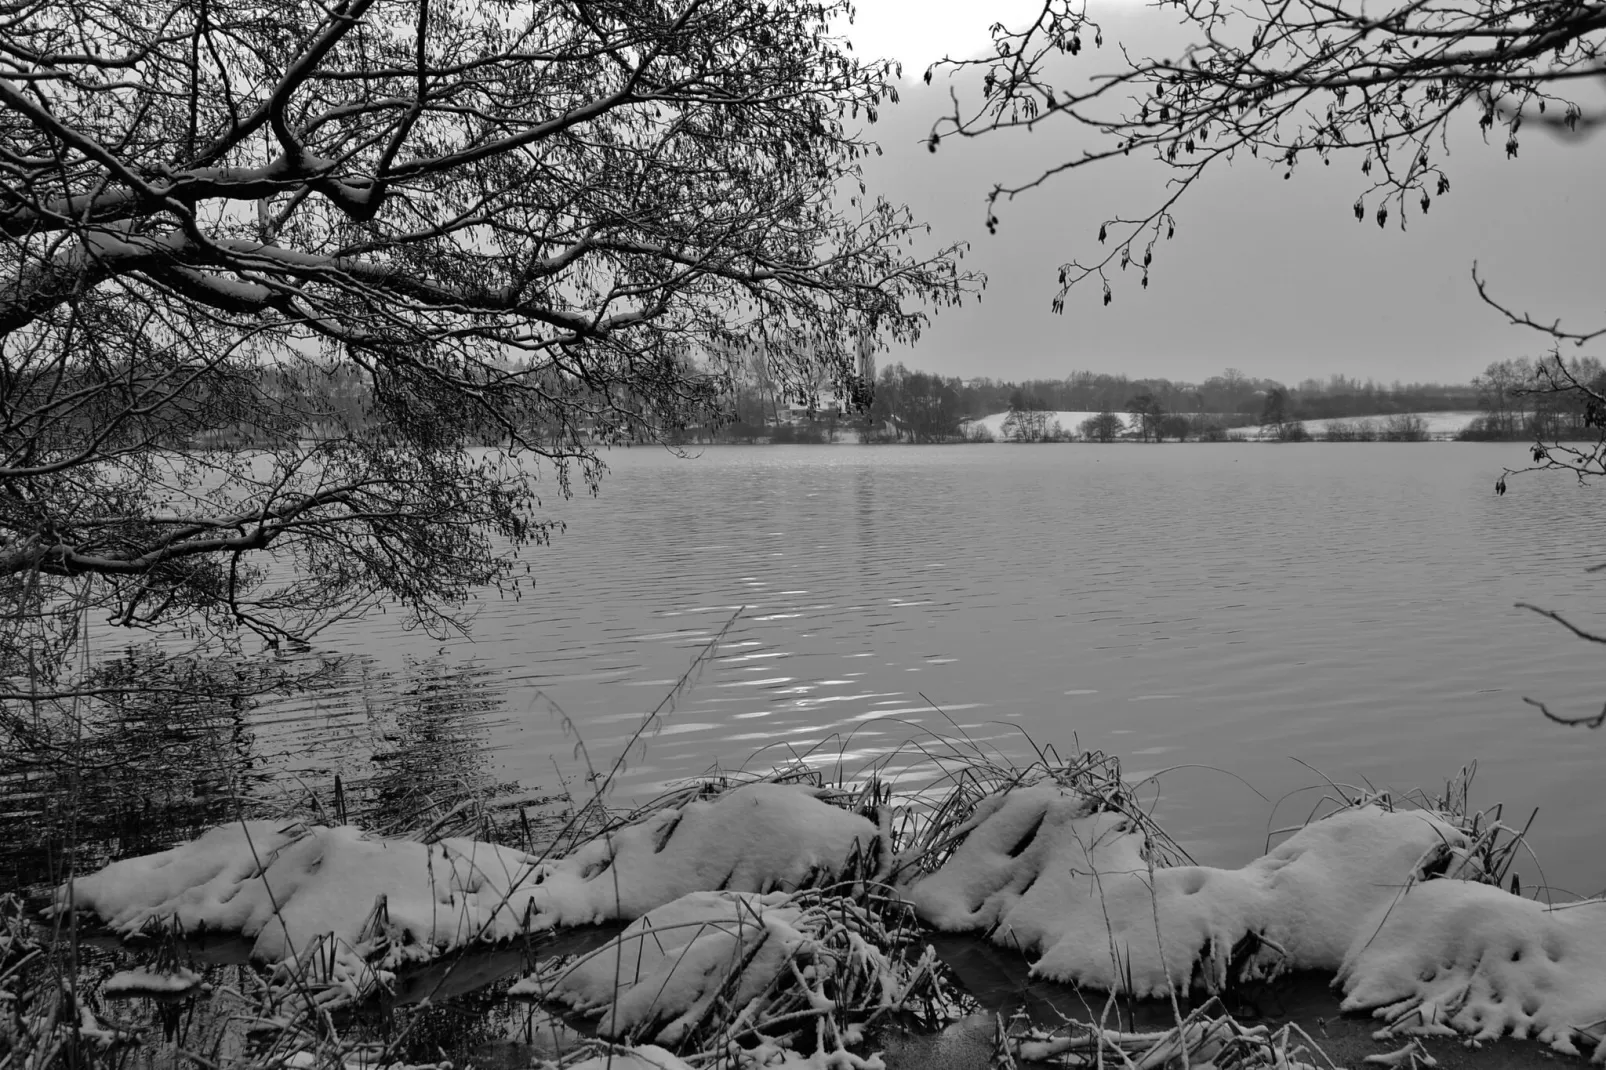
345,898
662,975
757,838
1068,420
289,886
151,983
1453,955
1046,872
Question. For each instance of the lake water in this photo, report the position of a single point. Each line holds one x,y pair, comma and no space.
1244,620
1252,618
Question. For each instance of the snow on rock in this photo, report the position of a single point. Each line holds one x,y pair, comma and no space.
295,888
661,976
1481,961
1045,872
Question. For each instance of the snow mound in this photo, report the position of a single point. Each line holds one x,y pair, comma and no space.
1012,841
757,838
1452,955
309,893
716,972
290,886
662,975
1044,871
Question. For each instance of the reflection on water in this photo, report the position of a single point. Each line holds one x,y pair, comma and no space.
158,754
1211,612
165,749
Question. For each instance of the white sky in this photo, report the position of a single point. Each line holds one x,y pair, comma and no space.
1275,278
920,33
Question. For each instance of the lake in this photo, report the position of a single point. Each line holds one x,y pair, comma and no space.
1246,621
1260,616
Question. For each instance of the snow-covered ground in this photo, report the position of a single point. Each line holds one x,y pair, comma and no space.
353,905
1438,423
1069,420
1395,901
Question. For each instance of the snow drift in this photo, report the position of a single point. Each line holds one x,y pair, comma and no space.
1045,872
1362,892
661,976
746,976
1453,956
290,886
1368,891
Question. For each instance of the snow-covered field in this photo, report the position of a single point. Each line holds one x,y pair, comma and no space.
1069,420
1439,424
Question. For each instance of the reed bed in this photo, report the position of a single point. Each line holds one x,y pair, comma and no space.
1208,1037
864,961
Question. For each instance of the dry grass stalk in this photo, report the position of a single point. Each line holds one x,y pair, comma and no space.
1207,1037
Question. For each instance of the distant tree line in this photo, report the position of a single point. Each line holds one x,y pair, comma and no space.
909,405
1534,399
916,406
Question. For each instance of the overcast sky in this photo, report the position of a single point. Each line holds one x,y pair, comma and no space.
1269,276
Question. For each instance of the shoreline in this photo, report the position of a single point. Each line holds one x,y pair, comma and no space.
1003,835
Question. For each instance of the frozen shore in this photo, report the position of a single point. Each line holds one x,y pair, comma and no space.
781,890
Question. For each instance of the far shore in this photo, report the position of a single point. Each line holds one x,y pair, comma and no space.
1067,427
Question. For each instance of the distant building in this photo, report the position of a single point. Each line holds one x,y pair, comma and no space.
825,404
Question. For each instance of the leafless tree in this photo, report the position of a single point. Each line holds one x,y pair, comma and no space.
1286,81
1290,81
1025,425
519,228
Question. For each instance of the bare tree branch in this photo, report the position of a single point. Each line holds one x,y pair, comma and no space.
1585,722
299,300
